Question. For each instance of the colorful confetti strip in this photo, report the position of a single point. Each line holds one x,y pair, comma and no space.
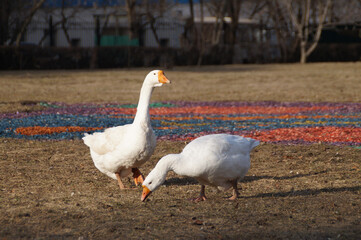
295,123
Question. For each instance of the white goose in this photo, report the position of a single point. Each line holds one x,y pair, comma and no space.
219,160
118,151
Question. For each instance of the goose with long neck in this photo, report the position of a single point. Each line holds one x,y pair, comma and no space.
120,151
142,114
219,160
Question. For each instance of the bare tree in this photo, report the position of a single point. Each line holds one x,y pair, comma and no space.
60,17
63,21
283,28
133,18
259,5
201,37
191,8
218,10
189,36
26,22
300,12
345,13
151,19
233,9
154,11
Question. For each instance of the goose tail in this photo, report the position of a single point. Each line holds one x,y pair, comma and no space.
253,143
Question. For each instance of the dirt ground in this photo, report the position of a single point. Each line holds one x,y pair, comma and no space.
51,189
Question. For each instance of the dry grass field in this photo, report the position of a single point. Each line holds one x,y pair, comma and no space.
51,189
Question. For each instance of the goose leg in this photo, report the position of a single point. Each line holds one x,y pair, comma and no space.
121,186
137,175
202,195
235,190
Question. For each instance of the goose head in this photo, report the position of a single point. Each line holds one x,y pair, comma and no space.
156,78
158,175
151,183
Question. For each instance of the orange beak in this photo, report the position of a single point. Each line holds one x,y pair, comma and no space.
146,193
162,78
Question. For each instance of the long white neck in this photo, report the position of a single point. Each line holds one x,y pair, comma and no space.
170,162
158,175
166,164
142,115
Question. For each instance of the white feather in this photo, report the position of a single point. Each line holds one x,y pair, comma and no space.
215,160
119,149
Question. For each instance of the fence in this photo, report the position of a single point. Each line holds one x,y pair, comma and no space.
29,57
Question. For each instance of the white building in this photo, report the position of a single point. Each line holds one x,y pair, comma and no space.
81,27
84,24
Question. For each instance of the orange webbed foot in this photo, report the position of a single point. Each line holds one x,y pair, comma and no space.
202,195
234,197
199,199
235,191
138,176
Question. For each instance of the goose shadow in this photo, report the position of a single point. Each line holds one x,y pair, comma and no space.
182,181
306,192
256,178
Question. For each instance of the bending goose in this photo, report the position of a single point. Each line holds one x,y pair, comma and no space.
119,151
219,160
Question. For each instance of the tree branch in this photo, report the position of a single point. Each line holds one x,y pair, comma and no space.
27,21
319,28
295,22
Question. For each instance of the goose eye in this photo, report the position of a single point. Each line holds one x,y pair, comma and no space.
153,73
150,182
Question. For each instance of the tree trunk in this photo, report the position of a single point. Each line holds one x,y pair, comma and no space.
302,24
303,56
233,10
201,39
219,13
130,7
192,27
191,10
63,23
321,21
280,26
151,20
